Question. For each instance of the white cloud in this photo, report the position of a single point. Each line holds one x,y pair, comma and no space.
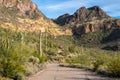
112,9
110,6
67,5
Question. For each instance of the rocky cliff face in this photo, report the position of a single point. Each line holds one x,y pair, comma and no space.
22,7
97,25
24,15
86,20
82,15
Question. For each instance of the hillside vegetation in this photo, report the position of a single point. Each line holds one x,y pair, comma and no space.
28,40
26,17
20,52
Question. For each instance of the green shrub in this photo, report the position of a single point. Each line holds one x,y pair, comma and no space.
3,78
72,49
80,59
114,67
19,76
33,59
28,72
42,58
99,60
52,51
9,68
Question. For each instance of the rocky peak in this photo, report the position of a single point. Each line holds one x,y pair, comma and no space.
82,15
23,7
62,19
86,20
96,8
99,12
63,16
81,10
91,12
79,15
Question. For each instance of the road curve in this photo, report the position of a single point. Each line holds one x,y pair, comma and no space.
55,72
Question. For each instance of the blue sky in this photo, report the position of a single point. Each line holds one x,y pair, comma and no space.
55,8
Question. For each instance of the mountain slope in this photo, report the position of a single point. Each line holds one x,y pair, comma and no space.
92,27
83,14
86,20
24,15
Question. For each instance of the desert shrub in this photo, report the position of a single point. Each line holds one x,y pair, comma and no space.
72,49
65,52
52,51
40,58
84,60
33,59
9,68
114,67
80,59
19,76
3,78
28,72
98,61
69,61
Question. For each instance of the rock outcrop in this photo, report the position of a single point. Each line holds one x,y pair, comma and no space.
22,7
63,19
97,25
86,20
82,15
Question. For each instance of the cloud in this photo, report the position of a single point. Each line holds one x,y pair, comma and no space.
112,9
54,8
66,5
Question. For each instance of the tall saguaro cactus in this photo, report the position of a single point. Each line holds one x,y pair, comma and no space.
42,30
40,43
46,40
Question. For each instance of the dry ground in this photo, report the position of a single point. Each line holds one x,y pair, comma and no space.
55,72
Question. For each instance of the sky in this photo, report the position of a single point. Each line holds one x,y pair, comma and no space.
55,8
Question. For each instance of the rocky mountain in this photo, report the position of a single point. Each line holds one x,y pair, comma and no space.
96,25
86,20
24,15
82,15
22,8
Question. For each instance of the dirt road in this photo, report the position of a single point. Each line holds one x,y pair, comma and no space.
55,72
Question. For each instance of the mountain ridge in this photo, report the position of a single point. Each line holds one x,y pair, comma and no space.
82,14
24,15
86,20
